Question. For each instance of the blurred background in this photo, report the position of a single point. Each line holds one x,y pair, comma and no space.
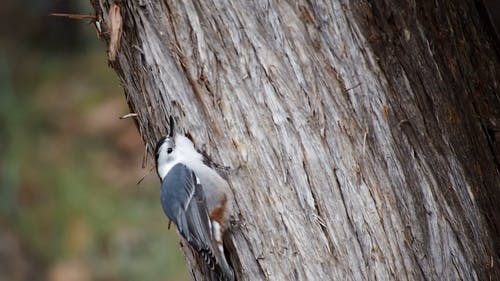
70,208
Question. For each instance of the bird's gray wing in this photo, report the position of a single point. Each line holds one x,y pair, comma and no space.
183,202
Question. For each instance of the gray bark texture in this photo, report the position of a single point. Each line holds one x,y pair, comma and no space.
363,136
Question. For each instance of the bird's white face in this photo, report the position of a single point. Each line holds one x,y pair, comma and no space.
165,156
176,150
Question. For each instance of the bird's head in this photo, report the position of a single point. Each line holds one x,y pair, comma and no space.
172,149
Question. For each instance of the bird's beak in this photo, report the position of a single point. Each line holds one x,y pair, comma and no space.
171,132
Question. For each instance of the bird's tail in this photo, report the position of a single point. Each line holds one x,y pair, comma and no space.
223,268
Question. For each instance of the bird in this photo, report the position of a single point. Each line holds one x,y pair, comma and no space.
195,197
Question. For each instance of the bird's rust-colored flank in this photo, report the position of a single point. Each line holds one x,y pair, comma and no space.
218,214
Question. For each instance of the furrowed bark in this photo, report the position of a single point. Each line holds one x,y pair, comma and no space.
363,135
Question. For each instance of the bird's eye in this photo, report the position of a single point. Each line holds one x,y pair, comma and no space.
169,150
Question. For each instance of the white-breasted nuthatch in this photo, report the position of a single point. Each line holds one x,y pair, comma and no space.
195,198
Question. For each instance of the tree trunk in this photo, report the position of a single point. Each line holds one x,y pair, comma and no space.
363,135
